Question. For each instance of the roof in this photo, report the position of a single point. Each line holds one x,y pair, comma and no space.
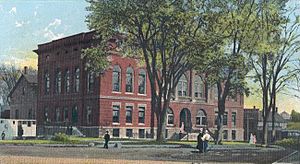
30,78
278,117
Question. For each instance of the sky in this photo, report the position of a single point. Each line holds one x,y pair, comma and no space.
26,23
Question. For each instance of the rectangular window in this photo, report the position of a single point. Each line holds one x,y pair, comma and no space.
89,115
116,113
116,132
233,118
67,81
142,82
216,118
225,134
129,114
141,133
66,116
57,115
142,114
233,135
225,118
17,114
129,133
90,82
77,80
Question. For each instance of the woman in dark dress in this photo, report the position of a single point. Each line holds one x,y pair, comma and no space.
199,141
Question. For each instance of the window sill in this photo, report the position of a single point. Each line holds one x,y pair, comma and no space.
115,123
170,125
128,124
129,93
139,94
141,124
116,92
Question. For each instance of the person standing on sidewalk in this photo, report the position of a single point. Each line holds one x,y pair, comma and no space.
200,141
106,139
3,135
205,139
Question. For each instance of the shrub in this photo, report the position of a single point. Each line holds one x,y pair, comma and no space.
61,137
289,143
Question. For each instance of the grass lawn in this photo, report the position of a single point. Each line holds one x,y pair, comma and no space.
293,126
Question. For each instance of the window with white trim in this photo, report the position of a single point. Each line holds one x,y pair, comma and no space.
200,118
116,79
170,116
182,86
129,79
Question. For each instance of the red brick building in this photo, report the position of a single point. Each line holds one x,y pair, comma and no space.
118,99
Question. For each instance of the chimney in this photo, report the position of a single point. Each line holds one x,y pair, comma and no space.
25,69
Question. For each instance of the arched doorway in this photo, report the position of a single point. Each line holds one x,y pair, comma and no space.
185,120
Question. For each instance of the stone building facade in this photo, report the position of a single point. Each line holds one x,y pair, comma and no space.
23,97
119,98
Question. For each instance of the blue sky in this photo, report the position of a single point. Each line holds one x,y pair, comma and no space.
26,23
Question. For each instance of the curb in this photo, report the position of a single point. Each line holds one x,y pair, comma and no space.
279,161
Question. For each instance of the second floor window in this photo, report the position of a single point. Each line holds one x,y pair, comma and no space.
58,82
129,79
182,86
142,82
90,82
47,83
75,114
66,115
116,79
77,79
67,81
198,87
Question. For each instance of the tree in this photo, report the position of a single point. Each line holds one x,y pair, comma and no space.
9,77
225,65
295,116
166,35
275,52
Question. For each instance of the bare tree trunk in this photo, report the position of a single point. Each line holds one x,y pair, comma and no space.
273,118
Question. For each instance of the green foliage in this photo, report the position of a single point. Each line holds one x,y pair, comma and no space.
295,116
293,125
61,137
289,143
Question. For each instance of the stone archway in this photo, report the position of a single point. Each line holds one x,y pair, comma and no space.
185,119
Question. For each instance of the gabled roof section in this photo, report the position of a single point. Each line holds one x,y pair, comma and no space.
30,78
278,117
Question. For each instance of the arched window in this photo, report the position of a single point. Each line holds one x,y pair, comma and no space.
47,83
170,117
200,118
142,82
67,81
77,79
58,82
90,82
116,79
182,86
198,87
129,79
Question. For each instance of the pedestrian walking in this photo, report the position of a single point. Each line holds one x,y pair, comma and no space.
205,139
106,139
200,141
3,135
254,139
251,140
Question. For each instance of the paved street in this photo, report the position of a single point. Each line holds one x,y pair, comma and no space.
39,154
